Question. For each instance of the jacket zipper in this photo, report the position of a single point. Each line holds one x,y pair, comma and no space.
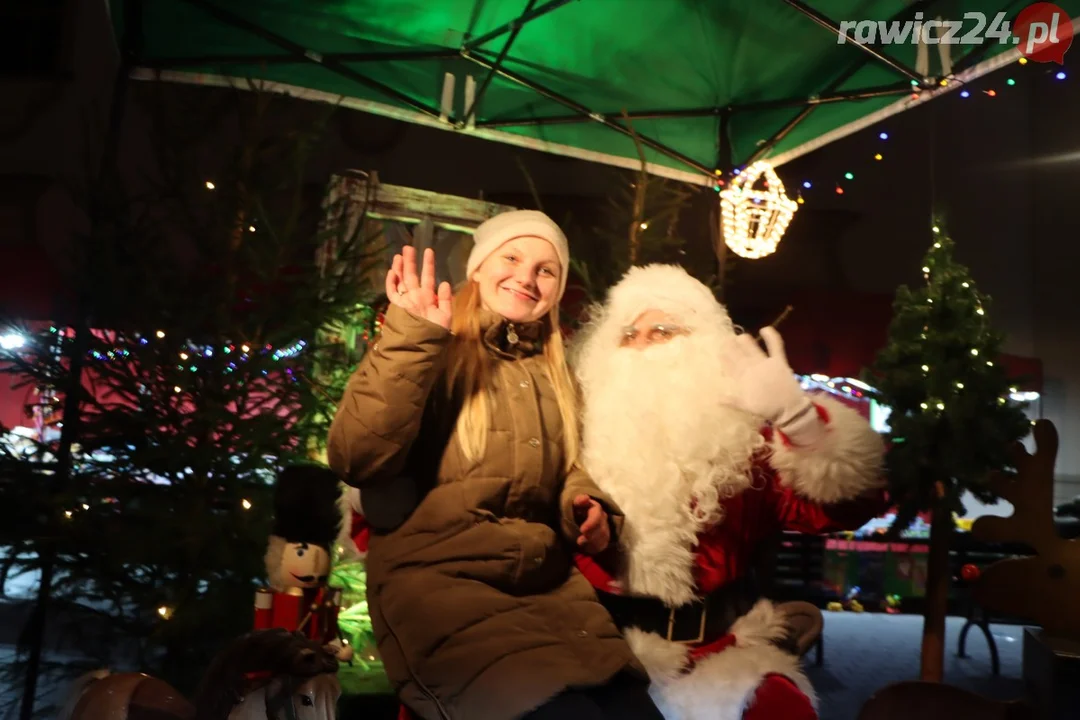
511,334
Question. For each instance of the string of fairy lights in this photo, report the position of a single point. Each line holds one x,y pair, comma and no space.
806,186
188,358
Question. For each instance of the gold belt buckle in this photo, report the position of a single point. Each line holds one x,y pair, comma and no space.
701,630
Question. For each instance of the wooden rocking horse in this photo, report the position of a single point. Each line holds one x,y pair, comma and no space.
264,675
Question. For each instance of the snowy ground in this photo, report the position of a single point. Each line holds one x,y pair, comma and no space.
51,691
864,652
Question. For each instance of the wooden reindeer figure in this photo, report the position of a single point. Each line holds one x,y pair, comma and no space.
1043,588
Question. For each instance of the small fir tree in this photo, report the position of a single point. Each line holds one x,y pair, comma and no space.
206,368
952,421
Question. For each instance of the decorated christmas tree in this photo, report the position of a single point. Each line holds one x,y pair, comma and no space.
200,357
952,421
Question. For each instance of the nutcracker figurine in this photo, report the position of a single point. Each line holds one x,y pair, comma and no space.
307,516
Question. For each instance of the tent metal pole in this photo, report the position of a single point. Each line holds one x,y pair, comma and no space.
828,24
498,62
571,119
779,135
513,25
764,148
300,51
845,96
828,98
291,58
723,144
586,112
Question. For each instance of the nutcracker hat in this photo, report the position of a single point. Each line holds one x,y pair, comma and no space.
307,506
507,226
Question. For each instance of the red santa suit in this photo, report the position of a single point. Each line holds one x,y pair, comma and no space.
701,487
355,529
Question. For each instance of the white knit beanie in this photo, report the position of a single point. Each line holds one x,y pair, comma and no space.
492,233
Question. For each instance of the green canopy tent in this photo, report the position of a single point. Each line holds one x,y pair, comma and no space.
707,84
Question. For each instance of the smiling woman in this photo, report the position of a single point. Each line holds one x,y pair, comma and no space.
518,265
470,398
520,280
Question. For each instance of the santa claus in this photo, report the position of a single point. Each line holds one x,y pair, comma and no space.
710,446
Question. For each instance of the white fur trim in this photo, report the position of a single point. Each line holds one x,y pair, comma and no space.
845,462
660,562
654,482
670,289
348,502
764,624
721,686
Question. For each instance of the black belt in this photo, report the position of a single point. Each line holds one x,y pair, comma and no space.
705,619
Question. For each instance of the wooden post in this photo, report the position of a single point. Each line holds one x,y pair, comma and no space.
932,665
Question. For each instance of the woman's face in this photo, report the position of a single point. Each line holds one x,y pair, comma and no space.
520,280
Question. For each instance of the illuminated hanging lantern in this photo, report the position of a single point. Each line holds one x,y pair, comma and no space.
755,218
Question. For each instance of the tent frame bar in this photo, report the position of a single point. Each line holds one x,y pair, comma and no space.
293,59
844,96
471,111
230,18
781,133
835,29
297,54
763,148
514,25
586,113
470,50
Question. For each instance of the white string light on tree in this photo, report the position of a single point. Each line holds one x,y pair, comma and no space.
755,212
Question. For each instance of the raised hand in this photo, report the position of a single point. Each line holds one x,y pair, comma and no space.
765,384
418,295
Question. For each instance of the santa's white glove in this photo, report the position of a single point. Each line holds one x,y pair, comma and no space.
765,386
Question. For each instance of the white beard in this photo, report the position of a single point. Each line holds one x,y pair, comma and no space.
658,438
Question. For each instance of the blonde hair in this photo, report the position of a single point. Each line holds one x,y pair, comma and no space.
470,372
